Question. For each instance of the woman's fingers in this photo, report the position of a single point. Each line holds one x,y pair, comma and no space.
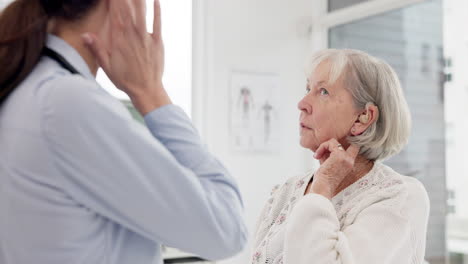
157,20
140,10
332,145
118,13
324,157
327,147
319,153
335,165
131,57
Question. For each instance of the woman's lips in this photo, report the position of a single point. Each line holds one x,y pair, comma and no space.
304,126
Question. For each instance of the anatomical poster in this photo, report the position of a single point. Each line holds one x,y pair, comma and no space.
254,112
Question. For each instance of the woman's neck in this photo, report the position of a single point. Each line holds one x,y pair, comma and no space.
362,166
73,38
70,31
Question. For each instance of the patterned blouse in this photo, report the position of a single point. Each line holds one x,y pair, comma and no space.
384,207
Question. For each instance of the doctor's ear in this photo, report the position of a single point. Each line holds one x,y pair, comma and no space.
366,118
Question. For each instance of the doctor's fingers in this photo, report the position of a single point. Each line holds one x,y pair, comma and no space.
126,16
157,33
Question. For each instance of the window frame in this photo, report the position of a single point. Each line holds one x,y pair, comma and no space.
323,20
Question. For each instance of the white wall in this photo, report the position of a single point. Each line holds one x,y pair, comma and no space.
259,36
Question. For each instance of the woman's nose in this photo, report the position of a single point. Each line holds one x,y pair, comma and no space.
304,106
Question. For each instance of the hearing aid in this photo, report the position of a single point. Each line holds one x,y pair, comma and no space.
364,118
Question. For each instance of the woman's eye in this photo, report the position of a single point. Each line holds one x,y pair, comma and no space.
323,91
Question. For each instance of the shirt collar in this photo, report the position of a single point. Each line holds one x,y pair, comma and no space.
70,54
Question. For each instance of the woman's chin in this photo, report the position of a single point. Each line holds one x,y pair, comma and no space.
308,145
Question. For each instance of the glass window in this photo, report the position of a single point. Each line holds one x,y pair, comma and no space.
334,5
456,96
410,39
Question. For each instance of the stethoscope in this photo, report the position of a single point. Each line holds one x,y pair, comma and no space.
60,60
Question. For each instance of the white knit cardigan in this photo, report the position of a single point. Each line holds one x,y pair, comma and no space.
382,218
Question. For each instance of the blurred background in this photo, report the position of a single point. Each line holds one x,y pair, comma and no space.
238,69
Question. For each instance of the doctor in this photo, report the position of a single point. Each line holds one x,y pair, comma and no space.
80,180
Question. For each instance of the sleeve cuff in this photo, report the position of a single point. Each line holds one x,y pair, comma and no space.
314,204
162,114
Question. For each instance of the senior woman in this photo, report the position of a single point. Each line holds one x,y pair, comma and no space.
353,209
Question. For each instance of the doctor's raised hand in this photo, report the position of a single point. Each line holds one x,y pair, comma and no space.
131,57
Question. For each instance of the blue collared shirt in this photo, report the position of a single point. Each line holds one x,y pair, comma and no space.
83,182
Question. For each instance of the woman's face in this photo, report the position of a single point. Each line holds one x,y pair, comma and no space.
327,110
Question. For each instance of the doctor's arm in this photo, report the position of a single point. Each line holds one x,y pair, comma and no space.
159,182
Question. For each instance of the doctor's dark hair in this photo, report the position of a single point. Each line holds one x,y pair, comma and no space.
23,33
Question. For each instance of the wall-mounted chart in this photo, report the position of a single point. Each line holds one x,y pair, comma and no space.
255,115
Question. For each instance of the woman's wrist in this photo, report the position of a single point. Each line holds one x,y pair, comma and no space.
149,100
322,188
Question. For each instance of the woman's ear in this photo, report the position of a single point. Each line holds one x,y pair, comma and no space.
365,119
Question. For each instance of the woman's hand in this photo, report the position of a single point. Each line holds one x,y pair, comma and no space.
335,164
131,57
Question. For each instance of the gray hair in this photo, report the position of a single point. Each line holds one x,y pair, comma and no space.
371,80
